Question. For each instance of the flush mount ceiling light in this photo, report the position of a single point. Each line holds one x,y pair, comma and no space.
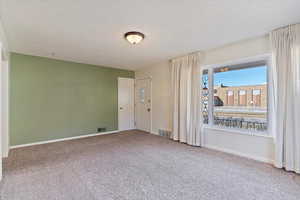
134,37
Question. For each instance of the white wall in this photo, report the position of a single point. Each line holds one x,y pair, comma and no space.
4,80
3,40
238,50
256,147
5,107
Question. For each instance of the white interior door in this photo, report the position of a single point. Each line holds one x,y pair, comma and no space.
126,103
143,104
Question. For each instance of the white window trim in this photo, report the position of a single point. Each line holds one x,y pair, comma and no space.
211,67
238,131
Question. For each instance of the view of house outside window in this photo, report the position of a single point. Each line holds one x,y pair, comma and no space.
240,97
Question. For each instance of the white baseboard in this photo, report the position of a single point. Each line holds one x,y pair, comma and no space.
257,158
154,133
63,139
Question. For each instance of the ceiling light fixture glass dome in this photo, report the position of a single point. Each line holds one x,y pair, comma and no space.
134,37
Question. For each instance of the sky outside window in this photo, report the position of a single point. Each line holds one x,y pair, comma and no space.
242,77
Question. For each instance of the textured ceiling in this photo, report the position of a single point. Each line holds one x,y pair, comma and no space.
91,31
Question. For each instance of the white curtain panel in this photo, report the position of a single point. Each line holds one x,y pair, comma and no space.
185,80
286,80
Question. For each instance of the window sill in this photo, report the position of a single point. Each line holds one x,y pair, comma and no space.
238,131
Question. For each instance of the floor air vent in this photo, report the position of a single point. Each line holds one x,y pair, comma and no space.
164,133
102,129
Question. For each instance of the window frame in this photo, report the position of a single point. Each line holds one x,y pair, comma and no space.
211,67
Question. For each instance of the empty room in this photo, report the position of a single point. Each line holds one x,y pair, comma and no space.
150,100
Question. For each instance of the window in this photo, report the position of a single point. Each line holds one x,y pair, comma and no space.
232,107
230,98
142,95
242,98
256,97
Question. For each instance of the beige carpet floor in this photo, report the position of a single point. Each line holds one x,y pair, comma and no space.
134,165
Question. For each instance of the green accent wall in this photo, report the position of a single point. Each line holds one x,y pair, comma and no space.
53,99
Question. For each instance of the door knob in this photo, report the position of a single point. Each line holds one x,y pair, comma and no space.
148,109
121,108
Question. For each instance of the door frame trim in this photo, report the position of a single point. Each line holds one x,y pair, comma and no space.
151,99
